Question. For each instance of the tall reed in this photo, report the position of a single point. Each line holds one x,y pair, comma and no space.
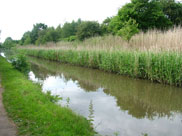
163,67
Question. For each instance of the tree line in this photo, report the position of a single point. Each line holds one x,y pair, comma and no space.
133,17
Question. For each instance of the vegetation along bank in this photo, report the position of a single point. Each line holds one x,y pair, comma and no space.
163,67
34,112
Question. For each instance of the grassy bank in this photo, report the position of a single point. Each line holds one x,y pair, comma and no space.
162,67
33,112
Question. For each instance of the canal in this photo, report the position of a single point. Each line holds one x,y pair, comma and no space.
116,105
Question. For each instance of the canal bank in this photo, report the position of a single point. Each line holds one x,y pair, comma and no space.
33,111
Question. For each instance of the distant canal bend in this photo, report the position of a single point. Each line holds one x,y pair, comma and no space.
117,104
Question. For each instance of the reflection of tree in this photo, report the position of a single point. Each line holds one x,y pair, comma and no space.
43,73
39,73
139,97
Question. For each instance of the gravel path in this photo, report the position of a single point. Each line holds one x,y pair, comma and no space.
7,127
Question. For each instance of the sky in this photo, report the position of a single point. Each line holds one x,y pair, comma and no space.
18,16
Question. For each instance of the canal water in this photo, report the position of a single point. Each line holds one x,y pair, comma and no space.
116,105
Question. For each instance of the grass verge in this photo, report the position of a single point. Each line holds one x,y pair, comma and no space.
33,112
163,67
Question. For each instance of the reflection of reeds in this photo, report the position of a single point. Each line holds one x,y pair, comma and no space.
153,40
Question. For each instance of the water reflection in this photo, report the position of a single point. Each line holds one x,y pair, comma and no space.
120,104
2,54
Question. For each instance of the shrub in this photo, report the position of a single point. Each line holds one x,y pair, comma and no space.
20,63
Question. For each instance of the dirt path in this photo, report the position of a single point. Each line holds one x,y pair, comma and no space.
7,128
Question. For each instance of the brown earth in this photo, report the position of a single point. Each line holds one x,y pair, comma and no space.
7,127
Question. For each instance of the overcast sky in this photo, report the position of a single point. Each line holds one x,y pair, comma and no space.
18,16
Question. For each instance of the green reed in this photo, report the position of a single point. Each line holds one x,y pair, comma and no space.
162,67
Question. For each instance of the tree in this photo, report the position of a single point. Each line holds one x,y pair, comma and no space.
105,26
130,28
35,31
70,29
88,29
26,39
59,32
173,11
47,35
147,13
8,43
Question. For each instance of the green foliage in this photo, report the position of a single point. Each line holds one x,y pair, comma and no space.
33,112
88,29
70,29
144,134
147,13
162,67
70,39
115,25
9,43
53,98
47,35
41,34
130,28
105,26
173,11
20,63
36,30
26,39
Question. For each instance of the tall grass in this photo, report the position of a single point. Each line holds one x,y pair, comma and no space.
163,67
154,55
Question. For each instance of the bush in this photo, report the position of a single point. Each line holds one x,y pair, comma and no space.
70,39
20,63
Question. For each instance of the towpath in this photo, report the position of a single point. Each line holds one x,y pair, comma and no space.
7,127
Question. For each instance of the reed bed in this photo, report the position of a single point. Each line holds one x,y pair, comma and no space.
154,55
163,67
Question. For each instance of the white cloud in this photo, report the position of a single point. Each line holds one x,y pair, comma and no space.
18,16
